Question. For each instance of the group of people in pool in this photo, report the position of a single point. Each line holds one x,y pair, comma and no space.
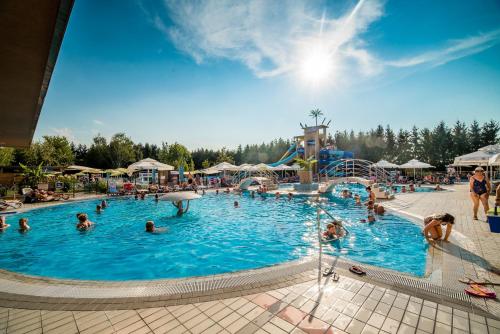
23,224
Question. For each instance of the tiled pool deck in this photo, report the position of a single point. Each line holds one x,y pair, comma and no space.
287,299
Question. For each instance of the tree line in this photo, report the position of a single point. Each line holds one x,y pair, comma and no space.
437,146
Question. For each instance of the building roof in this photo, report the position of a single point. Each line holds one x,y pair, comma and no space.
31,33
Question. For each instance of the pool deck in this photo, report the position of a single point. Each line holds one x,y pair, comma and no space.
290,298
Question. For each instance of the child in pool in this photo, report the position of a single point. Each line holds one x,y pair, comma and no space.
151,228
23,225
3,224
83,222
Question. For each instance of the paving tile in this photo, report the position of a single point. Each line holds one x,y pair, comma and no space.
229,319
195,321
342,321
426,325
272,329
477,328
292,315
460,323
443,317
237,325
400,302
369,330
254,313
410,319
190,315
155,322
214,329
363,314
493,323
166,327
383,308
390,326
396,313
428,312
441,328
406,329
263,318
68,328
221,314
376,320
101,327
313,325
246,308
477,318
136,326
444,308
264,300
238,303
214,309
284,325
355,327
460,313
414,307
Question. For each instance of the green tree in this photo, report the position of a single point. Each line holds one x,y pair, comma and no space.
416,146
121,151
315,113
403,151
489,133
178,155
32,176
6,156
390,139
98,153
459,139
224,156
475,138
205,164
441,140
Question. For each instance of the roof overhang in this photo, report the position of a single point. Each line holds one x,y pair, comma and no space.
31,33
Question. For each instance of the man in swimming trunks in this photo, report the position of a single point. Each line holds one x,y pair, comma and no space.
480,188
371,194
433,231
331,232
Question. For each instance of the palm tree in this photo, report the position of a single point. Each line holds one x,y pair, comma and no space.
315,114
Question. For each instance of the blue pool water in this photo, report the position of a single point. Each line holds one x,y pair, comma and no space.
425,189
212,238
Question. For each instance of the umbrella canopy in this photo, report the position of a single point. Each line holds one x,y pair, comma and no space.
492,149
474,158
116,172
92,171
494,160
180,196
295,167
282,167
244,166
146,164
415,164
76,167
224,166
260,167
385,164
210,171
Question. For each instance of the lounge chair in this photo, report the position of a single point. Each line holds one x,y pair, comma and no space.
10,205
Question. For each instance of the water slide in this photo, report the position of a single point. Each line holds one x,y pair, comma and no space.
289,155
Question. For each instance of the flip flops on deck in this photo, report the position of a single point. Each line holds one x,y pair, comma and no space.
480,291
357,270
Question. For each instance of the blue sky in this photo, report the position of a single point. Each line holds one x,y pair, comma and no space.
222,73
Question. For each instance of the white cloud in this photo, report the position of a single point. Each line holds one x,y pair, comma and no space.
270,37
455,49
98,122
65,132
274,38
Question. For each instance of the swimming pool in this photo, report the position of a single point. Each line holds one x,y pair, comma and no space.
212,238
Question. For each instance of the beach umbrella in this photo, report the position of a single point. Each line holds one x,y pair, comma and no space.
180,196
494,160
223,166
415,164
148,164
384,164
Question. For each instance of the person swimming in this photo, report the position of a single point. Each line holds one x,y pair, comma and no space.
252,194
217,191
227,191
403,189
357,199
433,231
157,198
203,192
236,204
3,223
104,204
83,222
98,209
371,218
379,209
151,228
277,195
370,205
412,187
23,225
290,196
331,232
136,196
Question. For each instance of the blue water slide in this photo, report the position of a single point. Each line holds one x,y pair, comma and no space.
285,160
289,155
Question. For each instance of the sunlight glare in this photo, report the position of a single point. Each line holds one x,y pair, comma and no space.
316,66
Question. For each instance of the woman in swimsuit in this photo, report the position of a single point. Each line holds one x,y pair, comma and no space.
432,230
480,188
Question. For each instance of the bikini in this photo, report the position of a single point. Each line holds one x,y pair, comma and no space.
479,187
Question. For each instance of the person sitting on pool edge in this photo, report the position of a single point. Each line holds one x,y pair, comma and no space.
433,231
3,223
23,225
83,222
